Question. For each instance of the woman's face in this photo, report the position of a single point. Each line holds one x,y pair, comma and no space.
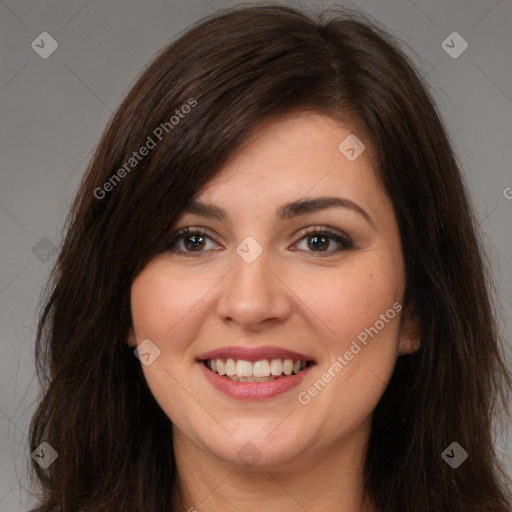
260,297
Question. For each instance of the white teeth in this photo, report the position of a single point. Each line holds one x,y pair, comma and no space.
243,368
240,370
230,367
255,379
251,379
287,366
276,367
261,368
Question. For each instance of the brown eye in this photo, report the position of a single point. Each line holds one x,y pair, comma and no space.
319,241
193,242
187,241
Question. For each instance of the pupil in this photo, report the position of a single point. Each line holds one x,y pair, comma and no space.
315,239
195,241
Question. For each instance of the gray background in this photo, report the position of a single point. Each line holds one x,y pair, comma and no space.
54,110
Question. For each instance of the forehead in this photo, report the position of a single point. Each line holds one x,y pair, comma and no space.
295,157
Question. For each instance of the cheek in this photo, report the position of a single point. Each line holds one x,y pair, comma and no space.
162,308
349,300
150,306
362,310
361,304
162,302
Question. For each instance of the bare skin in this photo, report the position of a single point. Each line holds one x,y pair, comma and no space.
306,294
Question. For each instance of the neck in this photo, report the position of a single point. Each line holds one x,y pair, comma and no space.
316,481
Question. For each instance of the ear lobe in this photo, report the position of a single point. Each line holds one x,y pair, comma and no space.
131,340
409,346
410,332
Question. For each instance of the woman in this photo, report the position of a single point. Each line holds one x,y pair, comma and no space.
271,292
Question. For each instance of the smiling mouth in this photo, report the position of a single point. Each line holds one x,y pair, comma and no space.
265,370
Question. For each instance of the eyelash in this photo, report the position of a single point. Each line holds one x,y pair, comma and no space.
345,242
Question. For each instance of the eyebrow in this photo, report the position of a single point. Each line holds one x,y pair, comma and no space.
287,211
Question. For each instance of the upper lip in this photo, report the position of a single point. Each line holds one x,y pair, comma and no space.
253,354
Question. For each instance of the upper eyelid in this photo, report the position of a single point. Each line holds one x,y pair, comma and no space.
190,230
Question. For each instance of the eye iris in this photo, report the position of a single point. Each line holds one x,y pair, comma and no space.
197,241
315,242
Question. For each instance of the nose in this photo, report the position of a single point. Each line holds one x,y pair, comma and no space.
253,296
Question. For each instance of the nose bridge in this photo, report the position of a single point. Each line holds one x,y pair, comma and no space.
251,293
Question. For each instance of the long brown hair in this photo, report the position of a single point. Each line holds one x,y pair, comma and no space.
236,70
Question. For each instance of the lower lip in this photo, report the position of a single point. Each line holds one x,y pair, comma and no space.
253,390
